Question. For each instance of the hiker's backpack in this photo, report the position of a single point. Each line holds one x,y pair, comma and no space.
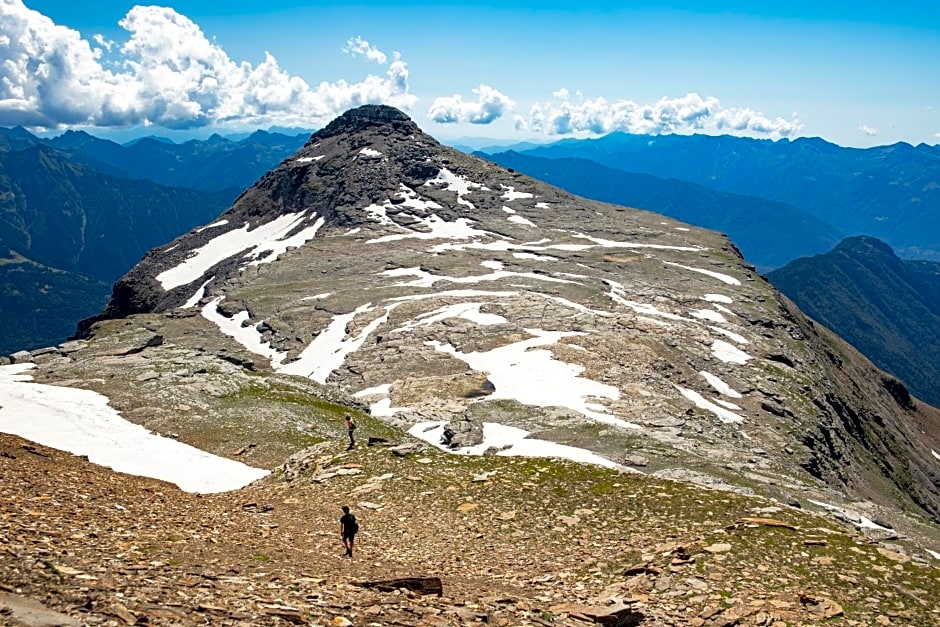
352,526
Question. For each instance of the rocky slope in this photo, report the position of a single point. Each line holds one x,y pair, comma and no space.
512,542
769,234
380,274
441,288
889,192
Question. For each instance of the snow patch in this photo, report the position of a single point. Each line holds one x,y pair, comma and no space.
708,314
466,311
934,453
720,386
383,408
437,228
511,193
729,353
533,376
606,243
534,257
276,248
212,226
492,264
456,183
426,279
509,441
266,237
370,153
517,219
308,159
617,292
575,306
197,296
701,402
247,336
730,335
383,389
454,294
542,205
82,423
724,278
328,350
717,298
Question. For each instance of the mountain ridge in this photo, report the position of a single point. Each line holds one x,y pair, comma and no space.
890,192
768,233
885,306
334,253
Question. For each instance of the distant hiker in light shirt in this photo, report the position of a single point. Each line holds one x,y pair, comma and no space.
348,528
350,427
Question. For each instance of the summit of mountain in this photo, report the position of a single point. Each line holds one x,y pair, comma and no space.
441,289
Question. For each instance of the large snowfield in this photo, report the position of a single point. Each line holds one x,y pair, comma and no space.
81,422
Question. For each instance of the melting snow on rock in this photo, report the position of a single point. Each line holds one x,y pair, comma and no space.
510,441
82,423
271,237
534,377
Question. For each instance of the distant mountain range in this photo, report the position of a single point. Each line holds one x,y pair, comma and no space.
214,165
768,233
39,305
889,192
888,308
76,212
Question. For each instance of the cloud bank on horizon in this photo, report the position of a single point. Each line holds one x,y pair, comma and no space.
169,74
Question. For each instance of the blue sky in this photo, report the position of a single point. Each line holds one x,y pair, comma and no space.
854,73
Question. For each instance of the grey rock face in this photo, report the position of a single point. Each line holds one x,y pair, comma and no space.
440,289
462,432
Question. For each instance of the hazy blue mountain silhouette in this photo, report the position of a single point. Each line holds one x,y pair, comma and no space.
768,233
39,305
212,165
68,231
890,192
888,308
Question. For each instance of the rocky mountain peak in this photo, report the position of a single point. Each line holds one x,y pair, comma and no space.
471,304
365,117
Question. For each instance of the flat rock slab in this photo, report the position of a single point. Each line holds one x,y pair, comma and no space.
421,585
26,612
666,422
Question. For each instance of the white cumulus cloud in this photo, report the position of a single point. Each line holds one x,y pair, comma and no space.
691,112
166,73
868,130
358,45
489,106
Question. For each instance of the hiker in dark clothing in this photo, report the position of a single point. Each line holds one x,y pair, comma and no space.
350,427
348,528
